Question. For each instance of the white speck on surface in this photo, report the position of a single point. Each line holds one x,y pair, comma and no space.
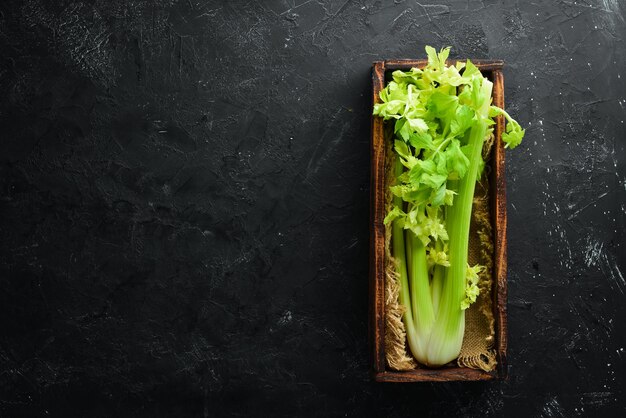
285,318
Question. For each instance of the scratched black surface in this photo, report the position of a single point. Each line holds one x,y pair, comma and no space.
184,206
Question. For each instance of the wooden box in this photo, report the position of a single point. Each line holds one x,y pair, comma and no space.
493,71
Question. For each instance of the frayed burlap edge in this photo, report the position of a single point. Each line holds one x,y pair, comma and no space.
395,333
396,352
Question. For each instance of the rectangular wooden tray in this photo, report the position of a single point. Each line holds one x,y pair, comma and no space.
492,69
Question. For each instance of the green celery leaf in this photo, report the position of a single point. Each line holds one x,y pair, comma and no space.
433,59
471,288
443,55
402,149
438,196
418,125
394,214
439,257
410,76
405,132
449,198
456,159
434,181
513,135
441,105
421,140
463,120
471,71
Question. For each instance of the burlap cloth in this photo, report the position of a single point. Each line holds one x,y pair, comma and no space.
477,351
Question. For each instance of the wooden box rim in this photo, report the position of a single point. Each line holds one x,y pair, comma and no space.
381,373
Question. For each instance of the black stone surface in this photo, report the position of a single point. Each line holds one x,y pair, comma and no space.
184,195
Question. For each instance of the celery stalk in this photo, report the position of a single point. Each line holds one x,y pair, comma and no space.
421,303
441,116
399,254
447,335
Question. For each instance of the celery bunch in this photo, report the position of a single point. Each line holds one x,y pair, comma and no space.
442,115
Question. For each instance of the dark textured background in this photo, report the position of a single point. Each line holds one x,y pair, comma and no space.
184,195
